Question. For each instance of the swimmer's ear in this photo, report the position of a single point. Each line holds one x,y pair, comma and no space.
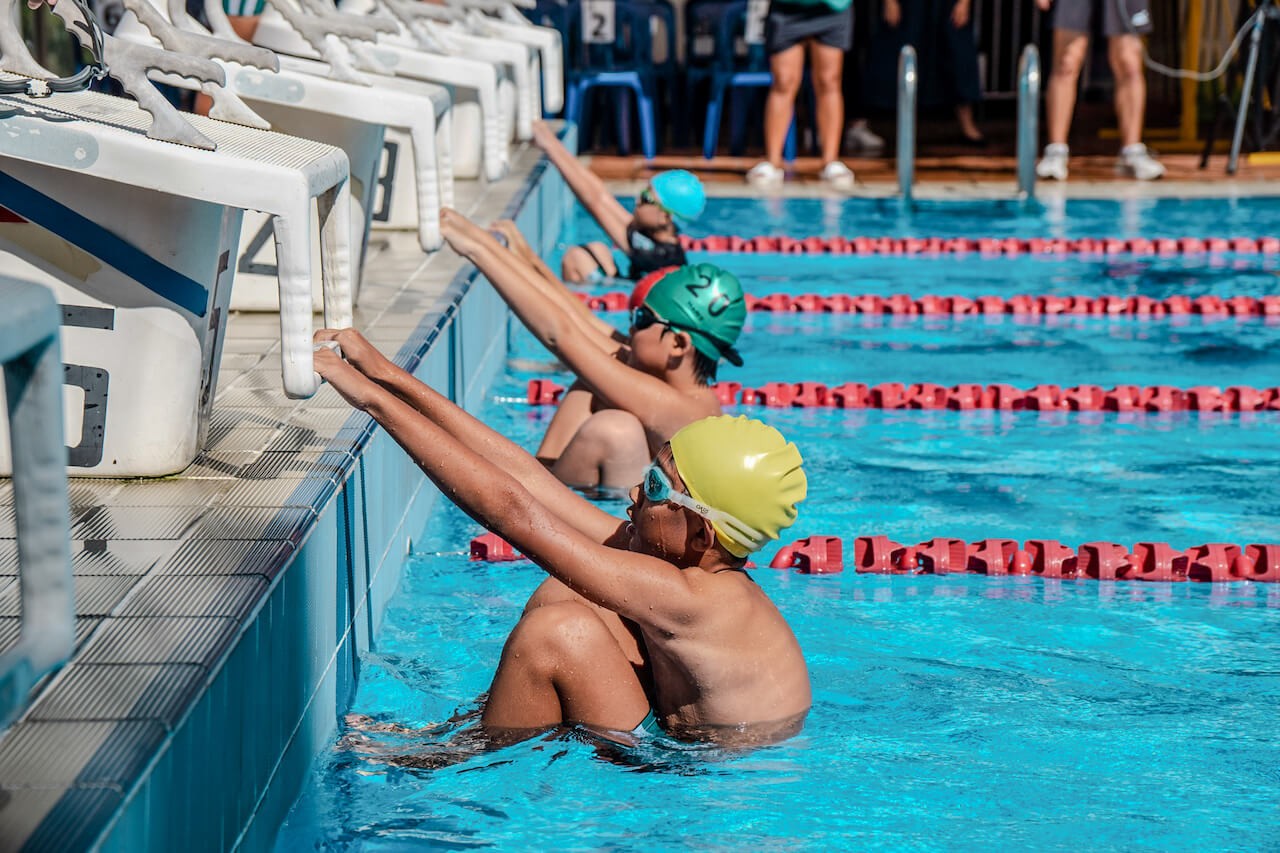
683,341
702,536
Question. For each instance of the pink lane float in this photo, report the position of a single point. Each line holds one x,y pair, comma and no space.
985,246
1156,562
926,395
929,305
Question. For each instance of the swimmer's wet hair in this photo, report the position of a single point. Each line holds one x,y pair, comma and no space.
704,369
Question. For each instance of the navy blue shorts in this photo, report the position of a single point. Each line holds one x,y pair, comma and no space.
790,24
1081,16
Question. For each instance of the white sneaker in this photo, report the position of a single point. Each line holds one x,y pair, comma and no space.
765,175
1054,162
1136,162
837,175
859,137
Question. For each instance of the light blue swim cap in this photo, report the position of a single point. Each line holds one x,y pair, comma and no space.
680,193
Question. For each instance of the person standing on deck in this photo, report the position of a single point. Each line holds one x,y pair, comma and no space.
823,29
1123,22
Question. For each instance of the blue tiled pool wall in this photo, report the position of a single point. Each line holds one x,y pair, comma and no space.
228,773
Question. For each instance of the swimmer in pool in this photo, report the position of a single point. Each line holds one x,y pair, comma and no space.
650,237
721,663
657,383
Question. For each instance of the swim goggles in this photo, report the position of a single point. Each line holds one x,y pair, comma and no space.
643,317
648,196
657,488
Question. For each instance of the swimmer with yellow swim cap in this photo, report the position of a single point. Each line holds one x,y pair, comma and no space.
646,627
634,391
649,235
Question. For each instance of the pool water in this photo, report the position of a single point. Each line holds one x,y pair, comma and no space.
1049,217
956,712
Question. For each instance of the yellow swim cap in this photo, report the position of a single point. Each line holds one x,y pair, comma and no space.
742,467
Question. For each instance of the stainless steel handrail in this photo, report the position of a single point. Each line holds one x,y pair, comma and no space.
907,80
1246,91
1028,119
32,362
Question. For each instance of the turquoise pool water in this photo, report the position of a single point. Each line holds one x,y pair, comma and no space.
950,712
1133,217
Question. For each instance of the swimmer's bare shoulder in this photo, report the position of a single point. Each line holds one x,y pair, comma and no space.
735,674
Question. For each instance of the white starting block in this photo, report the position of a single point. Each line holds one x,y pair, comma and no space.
343,42
29,358
302,100
431,27
137,237
500,19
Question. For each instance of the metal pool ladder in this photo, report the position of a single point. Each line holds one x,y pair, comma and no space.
907,81
1028,120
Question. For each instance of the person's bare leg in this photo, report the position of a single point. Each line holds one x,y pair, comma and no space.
1125,54
1060,96
561,665
826,70
571,413
552,591
787,67
580,264
968,127
609,451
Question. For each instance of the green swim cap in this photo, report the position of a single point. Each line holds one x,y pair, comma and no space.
745,468
705,301
680,193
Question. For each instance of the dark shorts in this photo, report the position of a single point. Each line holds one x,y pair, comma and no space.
1081,16
791,24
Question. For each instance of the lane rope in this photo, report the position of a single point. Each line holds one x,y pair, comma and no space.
1023,305
985,246
1158,562
967,397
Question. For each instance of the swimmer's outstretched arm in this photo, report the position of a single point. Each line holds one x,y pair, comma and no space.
543,313
364,358
658,406
550,284
647,590
586,185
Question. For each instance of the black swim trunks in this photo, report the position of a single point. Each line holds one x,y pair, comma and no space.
1082,16
790,24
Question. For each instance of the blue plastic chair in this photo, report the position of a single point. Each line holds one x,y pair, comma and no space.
731,71
562,17
625,63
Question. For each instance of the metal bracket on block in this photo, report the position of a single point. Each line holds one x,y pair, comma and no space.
227,105
127,64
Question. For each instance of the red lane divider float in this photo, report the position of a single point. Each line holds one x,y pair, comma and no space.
1109,561
925,395
902,305
984,246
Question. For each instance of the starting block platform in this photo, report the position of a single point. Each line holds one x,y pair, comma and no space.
138,236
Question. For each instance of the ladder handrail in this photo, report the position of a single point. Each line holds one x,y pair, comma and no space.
32,360
907,84
1028,119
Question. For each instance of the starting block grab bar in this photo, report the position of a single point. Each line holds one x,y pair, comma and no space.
33,383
